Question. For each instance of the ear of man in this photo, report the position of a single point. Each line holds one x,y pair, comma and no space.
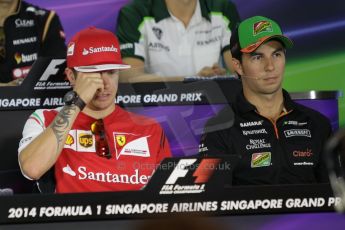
237,66
71,76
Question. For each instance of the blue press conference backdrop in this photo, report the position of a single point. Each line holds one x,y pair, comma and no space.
317,61
314,25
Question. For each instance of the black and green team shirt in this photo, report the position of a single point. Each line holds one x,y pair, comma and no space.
28,33
288,151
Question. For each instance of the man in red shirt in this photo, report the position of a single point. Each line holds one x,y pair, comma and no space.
93,144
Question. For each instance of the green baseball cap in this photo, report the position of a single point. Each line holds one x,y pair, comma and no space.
253,31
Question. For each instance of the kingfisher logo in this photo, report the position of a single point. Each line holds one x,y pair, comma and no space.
201,175
262,26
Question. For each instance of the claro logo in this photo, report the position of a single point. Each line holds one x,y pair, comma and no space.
305,153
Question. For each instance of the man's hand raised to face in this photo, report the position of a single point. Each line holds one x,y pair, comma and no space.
87,84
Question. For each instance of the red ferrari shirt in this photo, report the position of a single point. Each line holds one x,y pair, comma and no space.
137,145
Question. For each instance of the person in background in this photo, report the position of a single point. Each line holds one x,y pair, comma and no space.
26,32
278,140
93,144
166,40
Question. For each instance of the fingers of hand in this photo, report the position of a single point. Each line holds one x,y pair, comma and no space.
206,71
215,66
218,70
87,85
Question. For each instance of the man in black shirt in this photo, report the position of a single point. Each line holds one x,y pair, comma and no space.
278,141
26,32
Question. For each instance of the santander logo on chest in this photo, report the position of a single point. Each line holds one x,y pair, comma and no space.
125,144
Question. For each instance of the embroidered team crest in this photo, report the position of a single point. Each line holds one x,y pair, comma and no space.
262,26
129,144
120,140
158,32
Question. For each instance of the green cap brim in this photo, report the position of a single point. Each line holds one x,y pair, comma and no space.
285,40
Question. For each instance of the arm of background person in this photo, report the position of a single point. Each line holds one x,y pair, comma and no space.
228,61
53,37
15,82
233,17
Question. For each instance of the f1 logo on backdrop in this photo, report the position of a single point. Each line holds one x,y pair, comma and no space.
53,75
52,69
202,172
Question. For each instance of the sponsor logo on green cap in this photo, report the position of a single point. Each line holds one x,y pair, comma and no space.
254,31
262,26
